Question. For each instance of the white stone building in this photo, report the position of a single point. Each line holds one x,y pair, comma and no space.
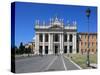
55,37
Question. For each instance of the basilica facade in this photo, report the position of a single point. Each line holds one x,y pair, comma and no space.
55,37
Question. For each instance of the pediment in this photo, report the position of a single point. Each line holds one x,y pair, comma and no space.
56,27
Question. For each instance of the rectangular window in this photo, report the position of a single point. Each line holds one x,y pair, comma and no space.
56,37
70,37
81,43
41,38
92,50
65,38
46,37
85,36
92,43
65,49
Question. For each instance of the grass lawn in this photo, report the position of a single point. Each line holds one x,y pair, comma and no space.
81,59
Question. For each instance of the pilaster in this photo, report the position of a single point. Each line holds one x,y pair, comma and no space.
74,43
67,43
37,44
43,52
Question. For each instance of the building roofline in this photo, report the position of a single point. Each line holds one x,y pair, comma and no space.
91,33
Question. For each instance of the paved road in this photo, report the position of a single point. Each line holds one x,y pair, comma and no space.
45,63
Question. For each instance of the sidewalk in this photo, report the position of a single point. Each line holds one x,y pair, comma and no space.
81,60
93,65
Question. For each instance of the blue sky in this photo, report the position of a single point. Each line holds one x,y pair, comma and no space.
27,13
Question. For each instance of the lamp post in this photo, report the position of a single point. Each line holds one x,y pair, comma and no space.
88,11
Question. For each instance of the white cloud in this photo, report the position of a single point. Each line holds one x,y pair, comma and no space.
34,38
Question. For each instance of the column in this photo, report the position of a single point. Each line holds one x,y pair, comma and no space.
49,44
74,43
62,42
67,43
79,47
37,44
43,52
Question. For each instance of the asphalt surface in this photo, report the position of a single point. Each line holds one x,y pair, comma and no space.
44,63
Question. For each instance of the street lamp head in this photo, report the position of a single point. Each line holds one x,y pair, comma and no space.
88,11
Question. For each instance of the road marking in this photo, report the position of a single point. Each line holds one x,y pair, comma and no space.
63,63
50,63
74,63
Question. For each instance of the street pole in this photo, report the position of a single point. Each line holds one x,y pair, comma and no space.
88,11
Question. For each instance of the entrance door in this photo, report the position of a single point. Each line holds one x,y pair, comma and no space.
70,49
65,49
56,49
46,49
40,49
